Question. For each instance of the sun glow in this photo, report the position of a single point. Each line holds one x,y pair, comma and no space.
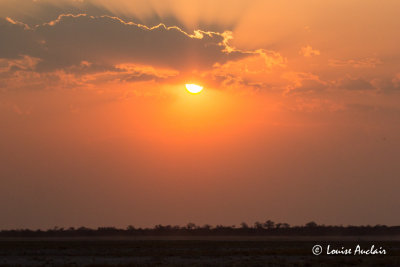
194,88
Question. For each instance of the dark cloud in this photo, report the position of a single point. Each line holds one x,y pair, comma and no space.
388,85
107,41
355,84
41,11
304,83
308,87
16,39
139,77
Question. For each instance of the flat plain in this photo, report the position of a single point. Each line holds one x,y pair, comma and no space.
191,251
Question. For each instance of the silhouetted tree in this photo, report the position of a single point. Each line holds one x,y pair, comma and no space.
311,224
206,227
269,224
258,225
130,228
190,226
244,225
285,225
159,227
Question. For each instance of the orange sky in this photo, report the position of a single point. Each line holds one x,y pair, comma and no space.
298,119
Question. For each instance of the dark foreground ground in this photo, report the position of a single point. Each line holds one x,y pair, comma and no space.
178,251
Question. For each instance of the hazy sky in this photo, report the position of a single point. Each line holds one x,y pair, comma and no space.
299,119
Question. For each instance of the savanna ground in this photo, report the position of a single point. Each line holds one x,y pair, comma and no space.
190,251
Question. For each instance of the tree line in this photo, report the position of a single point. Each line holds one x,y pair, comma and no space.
258,228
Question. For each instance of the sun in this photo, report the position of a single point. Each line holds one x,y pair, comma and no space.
194,88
